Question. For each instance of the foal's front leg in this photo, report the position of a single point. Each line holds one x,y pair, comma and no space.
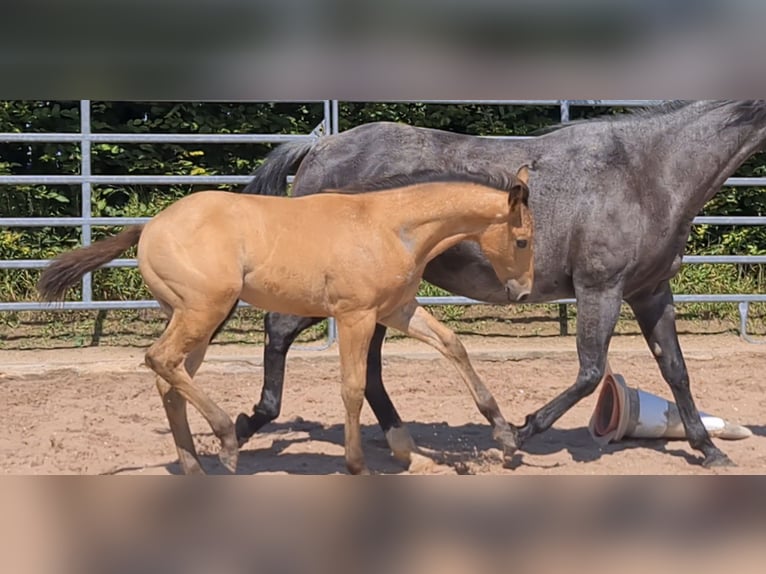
416,322
281,332
355,332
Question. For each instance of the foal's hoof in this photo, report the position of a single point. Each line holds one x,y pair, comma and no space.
508,439
718,460
401,444
243,429
229,457
358,469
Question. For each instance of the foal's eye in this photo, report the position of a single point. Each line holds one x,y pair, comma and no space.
522,243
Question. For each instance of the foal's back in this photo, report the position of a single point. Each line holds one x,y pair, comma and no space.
309,256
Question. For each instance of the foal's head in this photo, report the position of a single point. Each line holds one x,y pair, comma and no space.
508,245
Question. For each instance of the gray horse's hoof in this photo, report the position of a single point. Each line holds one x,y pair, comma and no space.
718,460
243,429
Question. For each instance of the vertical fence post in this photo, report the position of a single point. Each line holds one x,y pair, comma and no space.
563,323
332,328
335,125
85,191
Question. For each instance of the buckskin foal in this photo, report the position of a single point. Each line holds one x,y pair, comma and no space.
358,257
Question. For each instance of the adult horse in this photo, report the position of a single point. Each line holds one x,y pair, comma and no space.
211,248
613,200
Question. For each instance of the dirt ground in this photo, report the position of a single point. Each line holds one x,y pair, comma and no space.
95,410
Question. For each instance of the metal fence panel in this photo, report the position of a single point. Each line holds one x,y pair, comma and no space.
329,125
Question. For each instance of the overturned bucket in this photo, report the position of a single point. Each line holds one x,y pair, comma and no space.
622,411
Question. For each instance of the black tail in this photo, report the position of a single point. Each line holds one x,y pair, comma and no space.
270,178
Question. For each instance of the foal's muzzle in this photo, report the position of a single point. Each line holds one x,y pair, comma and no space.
517,291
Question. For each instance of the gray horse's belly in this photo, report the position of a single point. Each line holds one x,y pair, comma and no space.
463,270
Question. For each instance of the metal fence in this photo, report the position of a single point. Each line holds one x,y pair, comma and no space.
330,122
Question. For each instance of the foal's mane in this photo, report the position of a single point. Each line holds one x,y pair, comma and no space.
496,180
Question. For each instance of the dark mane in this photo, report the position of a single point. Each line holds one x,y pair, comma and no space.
747,112
649,111
496,180
742,112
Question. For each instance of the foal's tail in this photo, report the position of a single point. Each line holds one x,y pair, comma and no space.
69,267
271,176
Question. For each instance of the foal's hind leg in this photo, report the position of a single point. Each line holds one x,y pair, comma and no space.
183,343
175,409
655,314
415,321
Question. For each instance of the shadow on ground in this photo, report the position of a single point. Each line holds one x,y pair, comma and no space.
457,446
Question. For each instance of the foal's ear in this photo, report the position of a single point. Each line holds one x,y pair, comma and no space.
523,174
519,192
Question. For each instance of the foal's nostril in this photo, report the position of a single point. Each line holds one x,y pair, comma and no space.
522,297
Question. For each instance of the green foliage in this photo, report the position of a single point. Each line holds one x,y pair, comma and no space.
477,119
212,159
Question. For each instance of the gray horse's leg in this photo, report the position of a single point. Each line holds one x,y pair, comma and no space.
281,332
597,313
656,316
397,435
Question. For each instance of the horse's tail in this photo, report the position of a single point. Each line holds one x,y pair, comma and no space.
69,267
270,178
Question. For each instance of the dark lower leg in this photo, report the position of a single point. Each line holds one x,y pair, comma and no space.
597,313
281,331
656,317
375,392
397,435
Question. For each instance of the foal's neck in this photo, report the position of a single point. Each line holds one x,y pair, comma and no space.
437,216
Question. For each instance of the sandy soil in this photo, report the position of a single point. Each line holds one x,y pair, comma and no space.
96,410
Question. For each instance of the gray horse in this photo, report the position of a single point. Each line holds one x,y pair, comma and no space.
613,201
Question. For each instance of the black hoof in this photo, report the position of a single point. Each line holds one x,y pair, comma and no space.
718,460
524,433
243,428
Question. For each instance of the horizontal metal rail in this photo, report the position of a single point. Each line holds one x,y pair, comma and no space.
446,300
682,298
124,179
75,179
687,260
77,221
160,138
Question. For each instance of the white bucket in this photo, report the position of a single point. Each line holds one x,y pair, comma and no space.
622,411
